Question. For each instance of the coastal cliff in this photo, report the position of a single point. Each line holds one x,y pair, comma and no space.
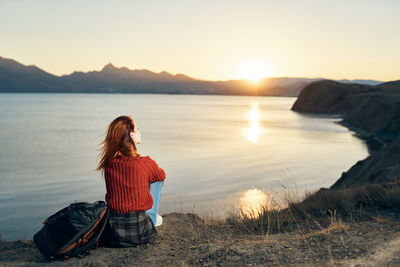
373,112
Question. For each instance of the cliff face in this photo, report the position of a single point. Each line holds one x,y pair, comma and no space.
326,96
382,166
373,112
369,108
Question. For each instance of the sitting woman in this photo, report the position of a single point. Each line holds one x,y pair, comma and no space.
133,186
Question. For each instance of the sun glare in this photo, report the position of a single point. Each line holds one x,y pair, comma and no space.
254,70
254,130
252,202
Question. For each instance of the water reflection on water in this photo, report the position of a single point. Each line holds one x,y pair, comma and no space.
255,129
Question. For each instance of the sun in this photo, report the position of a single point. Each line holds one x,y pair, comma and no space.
254,70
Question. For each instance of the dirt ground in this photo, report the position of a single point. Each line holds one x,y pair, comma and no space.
187,240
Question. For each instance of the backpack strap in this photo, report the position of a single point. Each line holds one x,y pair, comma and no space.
85,234
84,249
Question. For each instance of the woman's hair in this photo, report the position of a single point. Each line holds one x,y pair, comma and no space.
118,140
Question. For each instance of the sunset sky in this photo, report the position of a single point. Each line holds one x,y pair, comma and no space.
212,40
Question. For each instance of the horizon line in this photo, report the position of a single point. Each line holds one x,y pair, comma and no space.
199,79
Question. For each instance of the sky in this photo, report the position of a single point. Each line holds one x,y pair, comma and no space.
211,40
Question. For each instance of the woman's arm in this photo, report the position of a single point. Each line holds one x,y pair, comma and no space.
156,173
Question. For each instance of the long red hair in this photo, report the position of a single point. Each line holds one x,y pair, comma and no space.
118,140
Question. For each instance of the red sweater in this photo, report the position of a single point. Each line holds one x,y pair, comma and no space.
127,183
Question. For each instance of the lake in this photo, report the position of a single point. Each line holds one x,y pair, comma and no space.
218,152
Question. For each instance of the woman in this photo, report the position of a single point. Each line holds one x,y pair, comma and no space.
133,186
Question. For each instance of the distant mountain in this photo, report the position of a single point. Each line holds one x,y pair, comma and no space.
15,77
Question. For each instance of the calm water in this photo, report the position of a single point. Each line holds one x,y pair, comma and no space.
216,151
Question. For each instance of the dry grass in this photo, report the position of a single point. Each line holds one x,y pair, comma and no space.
335,224
381,219
324,211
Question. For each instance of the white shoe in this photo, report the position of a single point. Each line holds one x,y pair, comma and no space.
159,220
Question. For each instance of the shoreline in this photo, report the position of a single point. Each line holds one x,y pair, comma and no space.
372,141
373,113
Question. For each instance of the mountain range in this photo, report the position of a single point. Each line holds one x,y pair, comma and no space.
18,78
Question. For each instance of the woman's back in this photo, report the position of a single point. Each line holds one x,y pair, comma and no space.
127,183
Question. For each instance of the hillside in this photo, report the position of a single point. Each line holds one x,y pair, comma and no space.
15,77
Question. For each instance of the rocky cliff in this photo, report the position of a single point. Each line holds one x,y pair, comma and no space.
373,112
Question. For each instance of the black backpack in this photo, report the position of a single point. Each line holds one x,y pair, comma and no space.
72,231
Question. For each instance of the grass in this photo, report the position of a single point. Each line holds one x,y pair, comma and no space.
324,210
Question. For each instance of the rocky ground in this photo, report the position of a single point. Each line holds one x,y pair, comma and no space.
186,240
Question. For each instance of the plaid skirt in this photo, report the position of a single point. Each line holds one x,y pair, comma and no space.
127,230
